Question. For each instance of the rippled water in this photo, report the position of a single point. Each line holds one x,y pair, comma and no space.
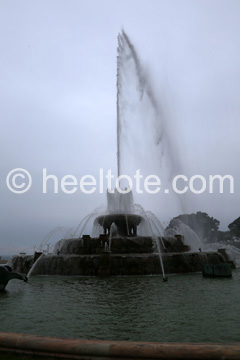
188,308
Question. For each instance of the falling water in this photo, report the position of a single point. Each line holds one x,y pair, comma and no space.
118,203
155,237
44,242
190,237
157,225
60,229
34,265
127,224
157,222
89,217
113,231
83,223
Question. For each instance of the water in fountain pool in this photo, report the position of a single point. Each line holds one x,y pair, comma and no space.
188,308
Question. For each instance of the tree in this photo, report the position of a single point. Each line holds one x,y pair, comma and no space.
205,227
234,227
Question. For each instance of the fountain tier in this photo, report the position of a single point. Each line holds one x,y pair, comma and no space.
134,255
125,224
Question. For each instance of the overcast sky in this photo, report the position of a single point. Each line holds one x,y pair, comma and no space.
58,100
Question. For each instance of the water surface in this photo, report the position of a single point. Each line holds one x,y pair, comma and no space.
188,308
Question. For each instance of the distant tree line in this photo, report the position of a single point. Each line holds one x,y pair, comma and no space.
207,228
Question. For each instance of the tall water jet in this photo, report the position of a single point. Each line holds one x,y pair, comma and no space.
144,140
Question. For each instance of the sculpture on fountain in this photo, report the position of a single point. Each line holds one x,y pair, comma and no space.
6,275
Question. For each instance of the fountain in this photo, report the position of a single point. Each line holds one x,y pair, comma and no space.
127,240
128,243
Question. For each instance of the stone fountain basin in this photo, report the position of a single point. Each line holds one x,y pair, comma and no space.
118,219
119,264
